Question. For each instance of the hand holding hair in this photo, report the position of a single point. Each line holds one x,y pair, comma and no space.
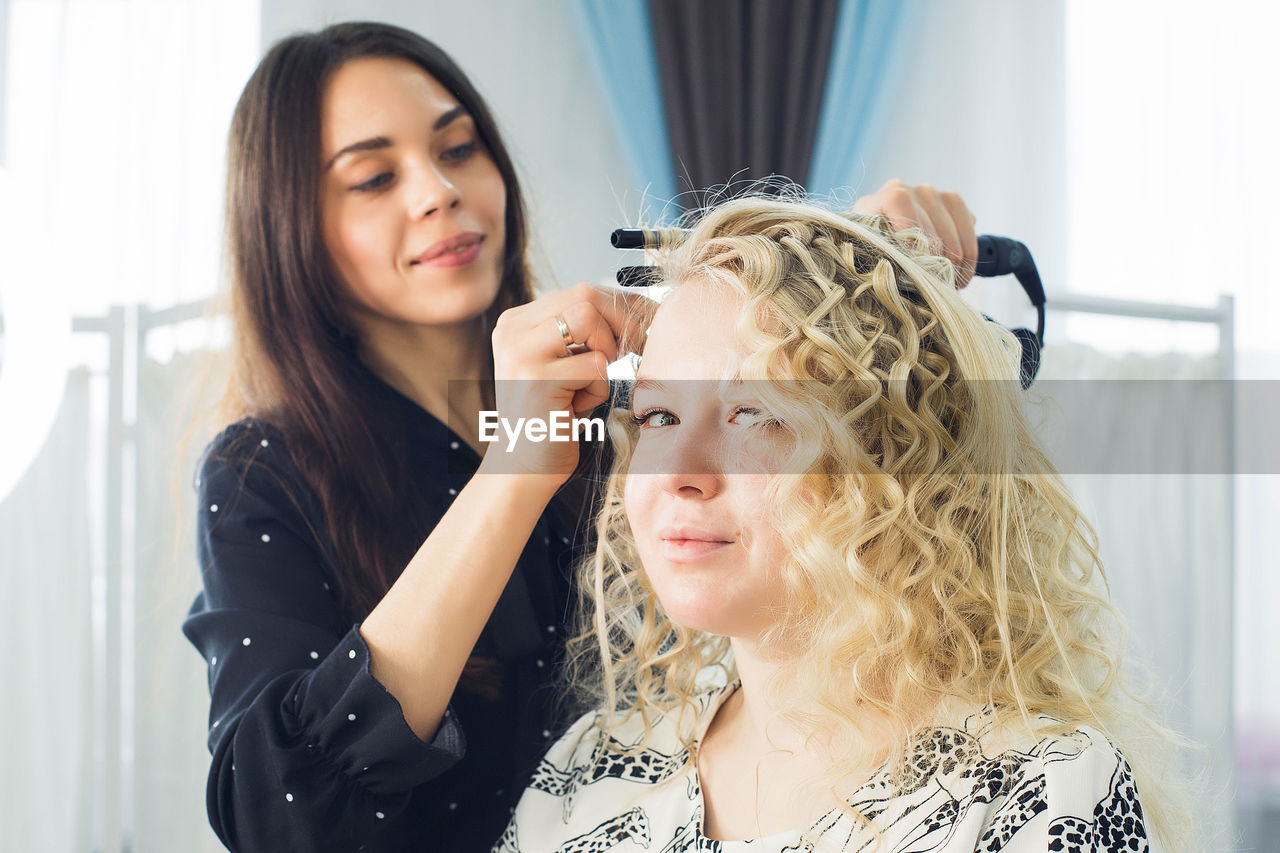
419,626
942,216
551,355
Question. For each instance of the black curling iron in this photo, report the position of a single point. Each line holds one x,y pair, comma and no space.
996,256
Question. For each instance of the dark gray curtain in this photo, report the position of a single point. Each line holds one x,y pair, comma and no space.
742,84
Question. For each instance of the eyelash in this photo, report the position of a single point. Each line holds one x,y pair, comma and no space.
374,184
456,154
459,153
640,419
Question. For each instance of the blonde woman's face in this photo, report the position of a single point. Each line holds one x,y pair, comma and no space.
695,488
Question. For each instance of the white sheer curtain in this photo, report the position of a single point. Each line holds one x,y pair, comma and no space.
46,796
116,114
1172,142
1165,536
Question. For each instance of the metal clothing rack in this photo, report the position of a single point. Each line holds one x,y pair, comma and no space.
113,665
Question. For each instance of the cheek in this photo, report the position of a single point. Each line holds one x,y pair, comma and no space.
750,503
635,500
493,191
767,551
646,457
361,243
497,214
769,556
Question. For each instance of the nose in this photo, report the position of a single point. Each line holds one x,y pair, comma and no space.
692,469
431,191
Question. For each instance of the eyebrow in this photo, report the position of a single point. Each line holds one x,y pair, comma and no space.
371,144
375,143
648,385
448,116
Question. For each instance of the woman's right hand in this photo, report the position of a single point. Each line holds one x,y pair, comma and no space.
535,376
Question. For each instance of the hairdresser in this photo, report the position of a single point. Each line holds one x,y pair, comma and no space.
381,624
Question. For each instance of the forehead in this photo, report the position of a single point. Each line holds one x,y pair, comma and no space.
380,95
692,336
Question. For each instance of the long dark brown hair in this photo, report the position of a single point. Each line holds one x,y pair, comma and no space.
294,349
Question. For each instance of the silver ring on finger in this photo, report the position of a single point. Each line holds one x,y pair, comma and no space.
571,347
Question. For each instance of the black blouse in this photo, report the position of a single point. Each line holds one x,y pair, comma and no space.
310,752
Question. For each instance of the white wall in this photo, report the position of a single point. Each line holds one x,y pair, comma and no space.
980,110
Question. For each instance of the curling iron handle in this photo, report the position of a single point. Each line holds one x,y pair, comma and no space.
1004,255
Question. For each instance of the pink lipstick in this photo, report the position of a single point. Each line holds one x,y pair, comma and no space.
456,251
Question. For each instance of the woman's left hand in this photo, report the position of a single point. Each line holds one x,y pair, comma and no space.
942,216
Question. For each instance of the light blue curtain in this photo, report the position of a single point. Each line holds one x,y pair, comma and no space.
873,40
619,41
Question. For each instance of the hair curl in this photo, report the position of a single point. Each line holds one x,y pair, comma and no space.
934,553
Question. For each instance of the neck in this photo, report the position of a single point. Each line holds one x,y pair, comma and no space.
421,362
756,718
760,773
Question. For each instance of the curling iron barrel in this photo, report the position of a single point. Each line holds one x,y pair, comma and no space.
996,256
647,238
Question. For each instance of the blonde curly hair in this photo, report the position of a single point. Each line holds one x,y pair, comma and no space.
933,551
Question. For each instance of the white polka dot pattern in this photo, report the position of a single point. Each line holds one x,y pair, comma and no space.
244,502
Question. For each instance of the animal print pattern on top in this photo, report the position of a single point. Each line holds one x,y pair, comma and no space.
969,788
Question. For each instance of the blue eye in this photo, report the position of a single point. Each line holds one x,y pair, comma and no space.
642,420
459,153
377,182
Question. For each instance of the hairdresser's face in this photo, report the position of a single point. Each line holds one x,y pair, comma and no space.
695,489
414,208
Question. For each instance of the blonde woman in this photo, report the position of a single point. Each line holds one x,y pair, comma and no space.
824,492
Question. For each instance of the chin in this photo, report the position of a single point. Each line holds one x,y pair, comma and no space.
464,308
711,615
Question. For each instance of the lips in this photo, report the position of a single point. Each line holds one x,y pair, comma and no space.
684,544
686,532
451,251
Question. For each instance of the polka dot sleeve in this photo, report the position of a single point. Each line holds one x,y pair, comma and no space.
306,744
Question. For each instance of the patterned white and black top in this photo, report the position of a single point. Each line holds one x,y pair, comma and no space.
973,789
